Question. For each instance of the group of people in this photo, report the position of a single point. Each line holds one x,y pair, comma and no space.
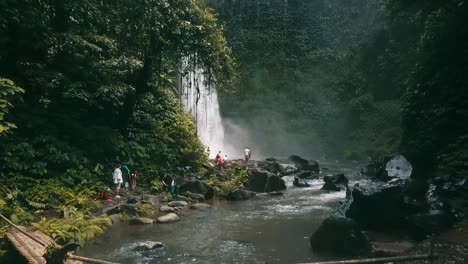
123,172
220,160
118,177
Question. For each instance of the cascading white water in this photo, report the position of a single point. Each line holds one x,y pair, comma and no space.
200,99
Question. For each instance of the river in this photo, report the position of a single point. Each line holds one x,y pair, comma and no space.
266,229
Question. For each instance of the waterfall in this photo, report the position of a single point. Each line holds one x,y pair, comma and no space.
199,98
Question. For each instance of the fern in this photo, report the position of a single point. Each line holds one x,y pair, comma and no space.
36,205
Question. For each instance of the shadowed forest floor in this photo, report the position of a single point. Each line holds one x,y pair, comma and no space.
451,246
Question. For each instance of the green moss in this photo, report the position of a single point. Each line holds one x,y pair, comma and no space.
228,180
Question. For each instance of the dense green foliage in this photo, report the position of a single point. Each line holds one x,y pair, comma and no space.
435,99
99,89
231,178
8,90
352,78
314,76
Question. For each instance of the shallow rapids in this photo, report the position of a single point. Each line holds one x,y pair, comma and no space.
265,229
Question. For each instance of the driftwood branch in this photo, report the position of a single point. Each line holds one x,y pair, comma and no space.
378,260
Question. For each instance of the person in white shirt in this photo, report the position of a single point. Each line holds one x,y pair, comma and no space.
225,158
208,152
247,154
117,175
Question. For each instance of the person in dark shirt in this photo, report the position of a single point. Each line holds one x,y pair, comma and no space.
169,184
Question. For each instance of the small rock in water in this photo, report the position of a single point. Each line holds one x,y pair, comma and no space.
148,245
177,204
169,218
199,206
141,221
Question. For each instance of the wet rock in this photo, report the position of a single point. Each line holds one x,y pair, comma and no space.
300,182
141,221
302,164
131,199
274,183
399,167
115,218
328,186
376,170
166,209
288,169
129,209
341,236
238,195
338,179
195,196
197,186
199,206
337,182
274,167
177,204
169,218
148,245
151,199
307,175
381,206
257,179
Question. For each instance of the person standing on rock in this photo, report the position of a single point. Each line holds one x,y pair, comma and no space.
247,154
117,176
208,152
126,175
218,156
133,177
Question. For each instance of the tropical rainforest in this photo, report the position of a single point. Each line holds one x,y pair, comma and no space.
85,85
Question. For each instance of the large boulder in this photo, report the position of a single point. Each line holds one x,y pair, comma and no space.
264,181
274,167
300,182
302,164
341,236
197,186
274,183
399,167
338,179
381,206
238,195
288,169
307,175
257,179
335,182
388,168
328,186
195,196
